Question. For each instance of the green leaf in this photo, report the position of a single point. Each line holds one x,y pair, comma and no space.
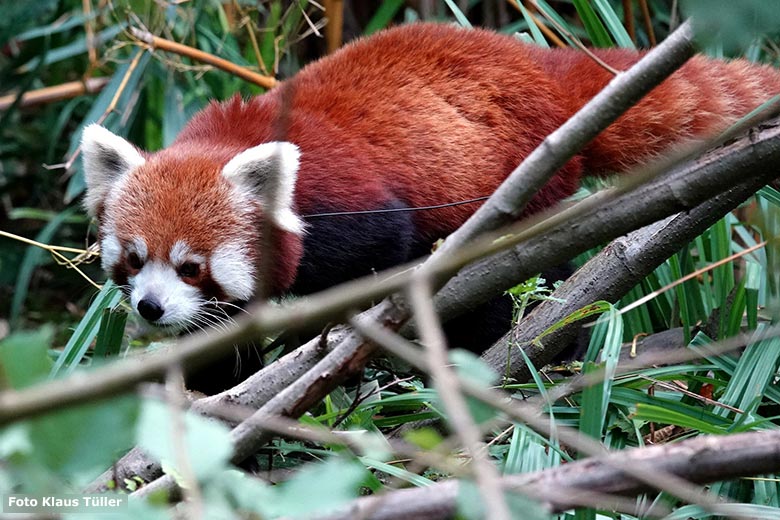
552,13
75,442
659,414
395,471
632,398
74,48
733,25
268,43
755,512
23,357
580,314
613,23
110,333
529,452
206,443
596,32
470,367
770,194
60,26
383,16
319,488
538,37
17,16
753,374
425,438
246,493
469,503
78,344
459,16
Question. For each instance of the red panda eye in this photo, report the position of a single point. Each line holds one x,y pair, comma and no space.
134,261
189,270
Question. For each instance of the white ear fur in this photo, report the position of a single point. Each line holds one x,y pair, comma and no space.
269,171
107,157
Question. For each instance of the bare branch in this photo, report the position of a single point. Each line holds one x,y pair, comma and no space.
530,415
448,388
608,276
702,460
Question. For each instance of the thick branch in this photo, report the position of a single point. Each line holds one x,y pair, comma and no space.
54,93
608,276
701,460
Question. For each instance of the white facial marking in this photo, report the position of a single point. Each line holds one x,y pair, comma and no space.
233,270
158,281
138,246
181,252
269,171
110,251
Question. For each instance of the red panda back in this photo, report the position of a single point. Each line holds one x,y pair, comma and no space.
424,113
428,114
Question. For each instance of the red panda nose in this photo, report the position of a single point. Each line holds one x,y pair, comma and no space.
150,310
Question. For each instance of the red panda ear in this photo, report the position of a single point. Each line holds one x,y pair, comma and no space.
269,172
107,157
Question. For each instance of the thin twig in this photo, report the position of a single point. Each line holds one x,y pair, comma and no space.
247,22
678,388
89,31
448,389
648,21
549,34
56,252
177,403
628,19
334,10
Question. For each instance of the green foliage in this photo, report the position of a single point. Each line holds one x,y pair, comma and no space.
63,448
734,26
205,443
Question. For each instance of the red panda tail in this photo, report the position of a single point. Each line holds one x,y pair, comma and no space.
700,100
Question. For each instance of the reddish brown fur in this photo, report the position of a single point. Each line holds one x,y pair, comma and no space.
427,114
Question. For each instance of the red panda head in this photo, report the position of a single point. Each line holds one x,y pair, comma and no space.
179,229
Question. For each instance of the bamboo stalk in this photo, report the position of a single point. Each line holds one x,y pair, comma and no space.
184,50
334,10
55,93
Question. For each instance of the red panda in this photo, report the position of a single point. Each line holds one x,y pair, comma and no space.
414,116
